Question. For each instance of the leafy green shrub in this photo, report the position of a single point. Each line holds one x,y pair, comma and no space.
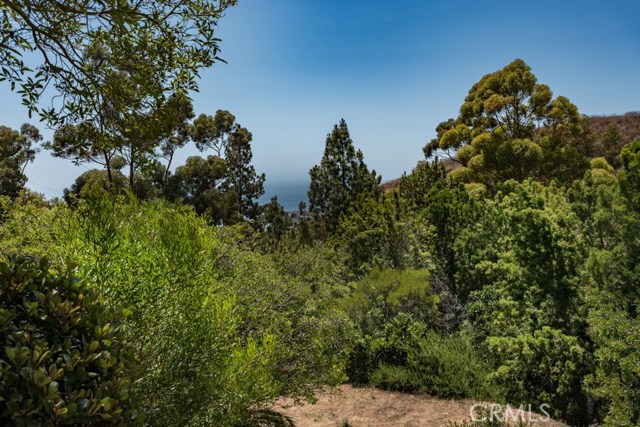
543,367
414,360
398,378
385,305
220,330
360,363
394,310
65,358
450,367
384,293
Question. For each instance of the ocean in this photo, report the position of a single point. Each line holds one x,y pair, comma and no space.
289,194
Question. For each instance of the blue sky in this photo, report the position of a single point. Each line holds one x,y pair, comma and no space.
392,69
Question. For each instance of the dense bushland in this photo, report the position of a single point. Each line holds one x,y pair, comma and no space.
218,329
512,277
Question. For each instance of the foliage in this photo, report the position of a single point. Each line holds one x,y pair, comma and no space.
382,294
340,177
16,151
543,367
212,132
449,208
522,261
611,295
393,310
511,127
408,358
198,182
66,358
610,143
92,182
31,228
275,223
522,255
241,177
225,186
131,138
630,174
383,233
219,329
102,53
508,272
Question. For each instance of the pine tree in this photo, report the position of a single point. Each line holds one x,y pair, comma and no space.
340,177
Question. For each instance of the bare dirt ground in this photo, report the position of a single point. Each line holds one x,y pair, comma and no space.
367,407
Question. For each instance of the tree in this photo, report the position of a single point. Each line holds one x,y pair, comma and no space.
511,127
630,174
275,223
212,132
139,132
94,181
198,183
383,233
119,70
176,134
232,142
449,208
609,281
135,136
340,177
83,143
77,47
241,177
16,151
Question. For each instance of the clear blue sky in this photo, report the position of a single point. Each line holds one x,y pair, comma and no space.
392,69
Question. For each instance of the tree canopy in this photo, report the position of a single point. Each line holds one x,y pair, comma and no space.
16,151
95,53
510,126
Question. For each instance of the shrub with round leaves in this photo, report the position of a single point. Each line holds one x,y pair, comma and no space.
64,358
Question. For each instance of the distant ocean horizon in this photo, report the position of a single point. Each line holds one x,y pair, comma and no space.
289,193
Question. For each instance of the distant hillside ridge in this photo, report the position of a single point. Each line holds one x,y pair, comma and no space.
628,125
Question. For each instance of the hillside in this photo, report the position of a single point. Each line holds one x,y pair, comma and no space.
628,125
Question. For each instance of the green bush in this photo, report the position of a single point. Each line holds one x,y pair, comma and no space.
382,294
543,367
450,366
219,329
397,378
65,358
394,310
412,360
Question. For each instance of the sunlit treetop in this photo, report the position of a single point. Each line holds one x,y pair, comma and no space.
510,126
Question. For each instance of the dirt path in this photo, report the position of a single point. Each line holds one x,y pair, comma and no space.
366,407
